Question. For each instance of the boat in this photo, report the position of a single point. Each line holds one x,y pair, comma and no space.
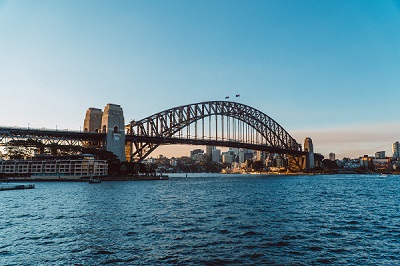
164,177
11,186
94,181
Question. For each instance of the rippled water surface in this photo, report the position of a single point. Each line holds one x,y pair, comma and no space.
205,220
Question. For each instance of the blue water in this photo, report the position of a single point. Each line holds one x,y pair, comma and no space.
205,220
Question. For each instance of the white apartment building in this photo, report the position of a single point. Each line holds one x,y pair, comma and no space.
68,168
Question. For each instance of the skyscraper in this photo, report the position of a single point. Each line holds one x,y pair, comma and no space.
380,154
396,149
209,150
216,155
308,147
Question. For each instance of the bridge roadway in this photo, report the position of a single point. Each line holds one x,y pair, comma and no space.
63,137
71,137
211,142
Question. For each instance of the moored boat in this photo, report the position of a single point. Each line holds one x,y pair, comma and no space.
94,181
11,186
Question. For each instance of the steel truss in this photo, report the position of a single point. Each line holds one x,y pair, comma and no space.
50,137
234,125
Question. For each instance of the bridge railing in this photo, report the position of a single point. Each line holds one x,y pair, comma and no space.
40,129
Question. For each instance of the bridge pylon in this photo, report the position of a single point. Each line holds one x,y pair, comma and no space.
111,122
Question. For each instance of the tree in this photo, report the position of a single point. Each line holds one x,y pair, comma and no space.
330,164
257,166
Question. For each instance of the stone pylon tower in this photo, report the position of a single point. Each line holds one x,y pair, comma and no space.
113,124
92,121
110,122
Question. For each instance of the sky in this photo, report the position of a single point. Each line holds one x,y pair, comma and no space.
329,70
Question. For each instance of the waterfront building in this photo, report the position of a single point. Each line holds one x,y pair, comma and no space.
366,162
396,150
382,164
332,156
54,168
380,154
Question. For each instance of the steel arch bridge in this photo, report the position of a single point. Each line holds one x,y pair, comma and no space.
216,123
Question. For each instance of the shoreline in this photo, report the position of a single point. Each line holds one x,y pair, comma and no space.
85,180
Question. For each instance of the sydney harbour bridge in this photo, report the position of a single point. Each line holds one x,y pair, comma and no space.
213,123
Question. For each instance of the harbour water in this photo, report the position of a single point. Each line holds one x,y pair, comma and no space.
205,219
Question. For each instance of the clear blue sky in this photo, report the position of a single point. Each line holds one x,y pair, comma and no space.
329,70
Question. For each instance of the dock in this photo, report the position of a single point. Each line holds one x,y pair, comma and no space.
12,186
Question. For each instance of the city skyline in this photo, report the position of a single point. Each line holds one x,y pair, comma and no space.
325,70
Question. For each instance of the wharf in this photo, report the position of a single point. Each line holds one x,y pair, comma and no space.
11,186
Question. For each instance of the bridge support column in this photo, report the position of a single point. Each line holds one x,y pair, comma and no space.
113,125
128,151
110,121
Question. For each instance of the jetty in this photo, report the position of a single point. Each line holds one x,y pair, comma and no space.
12,186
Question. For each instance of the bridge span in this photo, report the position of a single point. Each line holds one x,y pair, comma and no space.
214,123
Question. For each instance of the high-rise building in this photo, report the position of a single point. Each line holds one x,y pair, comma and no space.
244,155
396,149
308,147
380,155
216,155
234,150
278,160
261,156
332,156
209,149
227,157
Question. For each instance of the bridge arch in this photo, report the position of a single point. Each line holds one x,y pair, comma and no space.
167,127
